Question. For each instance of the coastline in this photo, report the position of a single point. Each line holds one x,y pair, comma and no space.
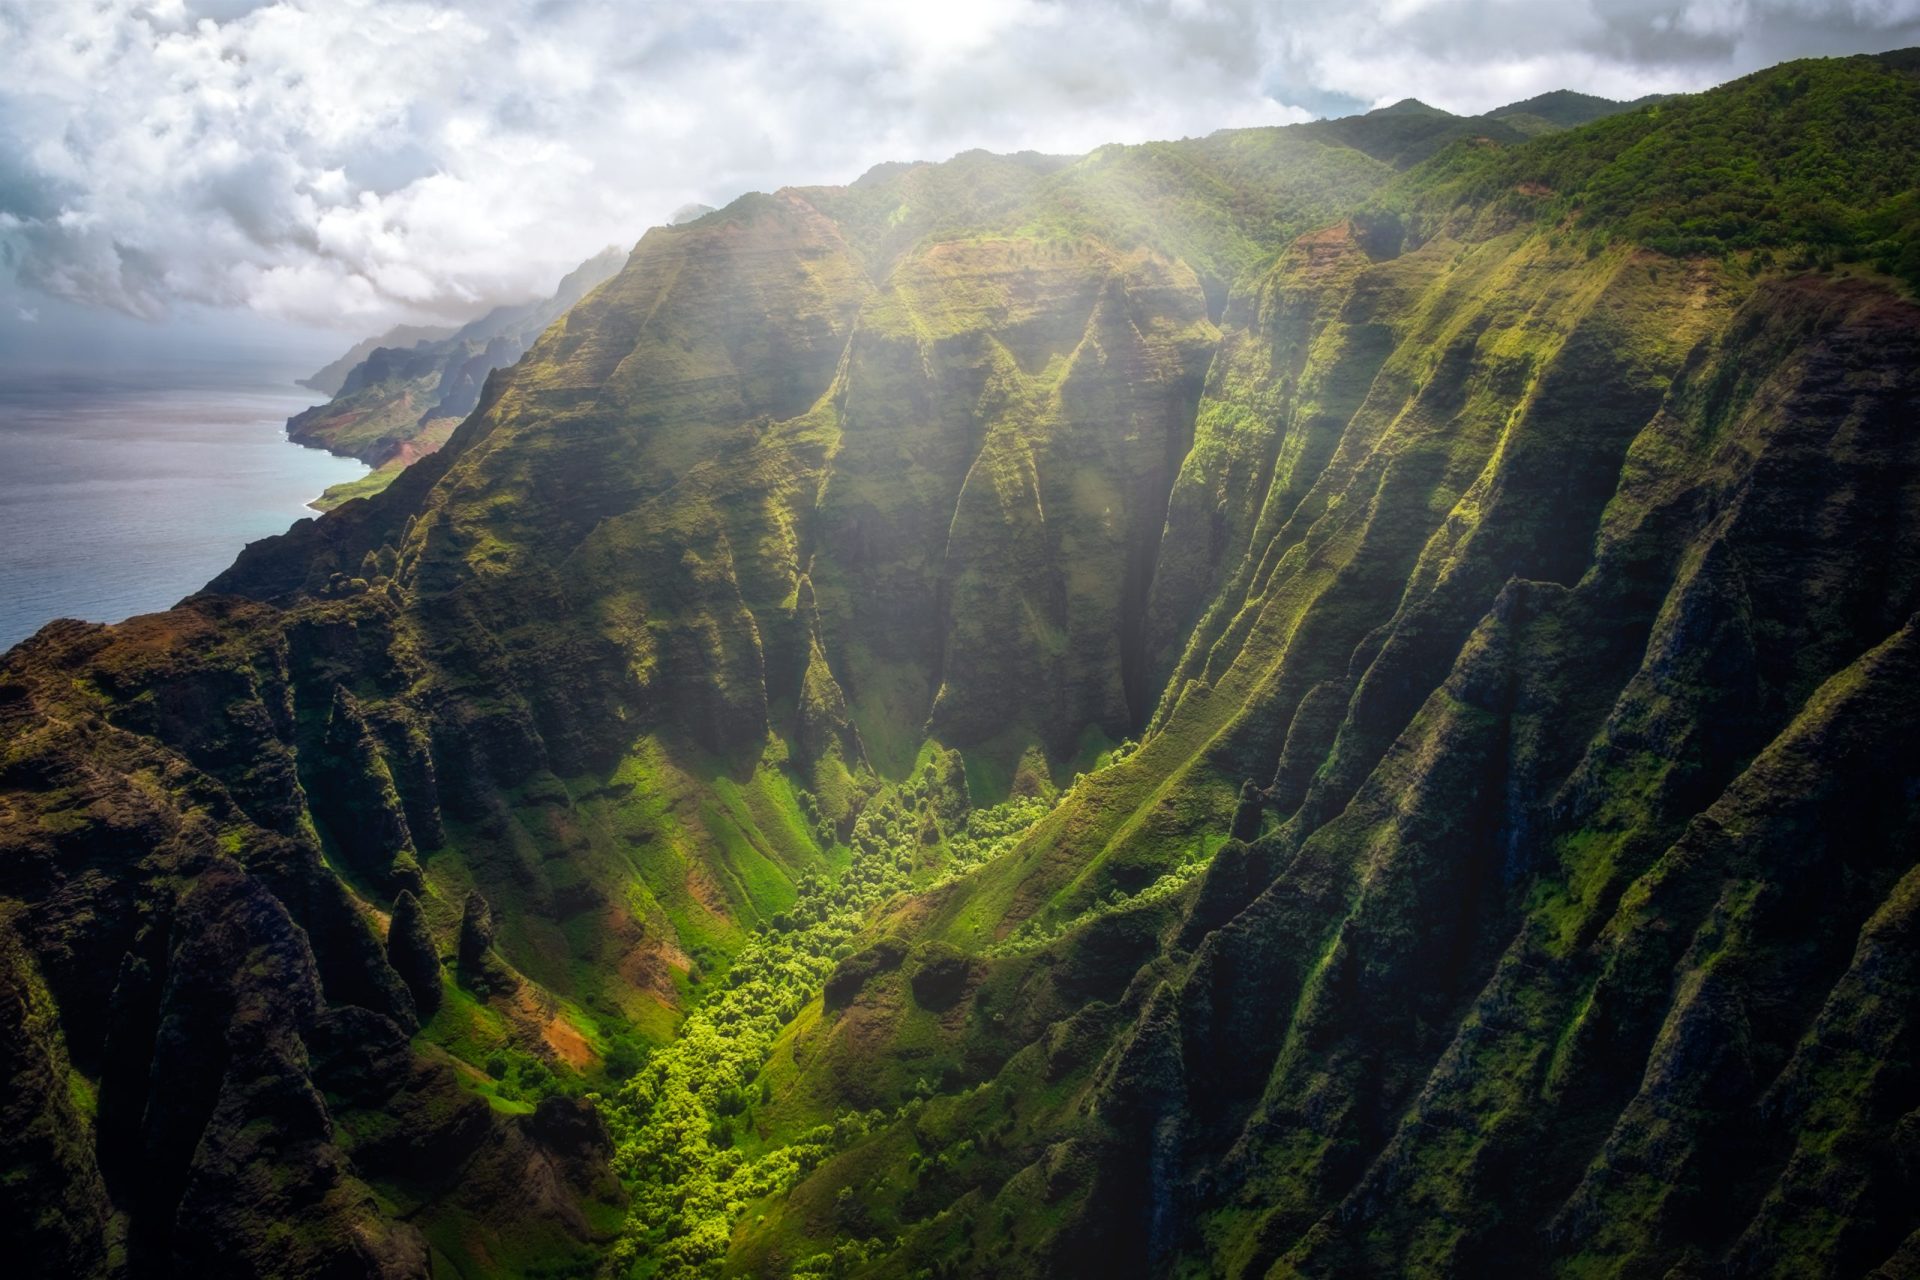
341,490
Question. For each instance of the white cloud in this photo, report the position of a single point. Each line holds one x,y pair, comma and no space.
357,161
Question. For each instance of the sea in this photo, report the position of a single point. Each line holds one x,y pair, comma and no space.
120,494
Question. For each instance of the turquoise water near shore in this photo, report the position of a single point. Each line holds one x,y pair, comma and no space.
121,495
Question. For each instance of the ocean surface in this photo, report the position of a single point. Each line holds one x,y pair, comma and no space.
120,495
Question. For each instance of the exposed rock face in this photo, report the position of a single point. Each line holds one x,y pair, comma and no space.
411,952
352,795
1514,873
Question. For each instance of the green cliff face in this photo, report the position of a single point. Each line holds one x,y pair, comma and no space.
1319,701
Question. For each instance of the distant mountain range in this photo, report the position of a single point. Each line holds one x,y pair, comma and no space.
397,397
331,377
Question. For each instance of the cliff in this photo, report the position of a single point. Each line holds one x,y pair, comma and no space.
1315,701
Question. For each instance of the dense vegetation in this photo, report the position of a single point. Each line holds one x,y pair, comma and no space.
1311,702
1821,159
684,1123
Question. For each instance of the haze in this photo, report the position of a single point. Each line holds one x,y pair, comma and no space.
352,165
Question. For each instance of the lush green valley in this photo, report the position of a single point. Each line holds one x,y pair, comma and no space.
1323,701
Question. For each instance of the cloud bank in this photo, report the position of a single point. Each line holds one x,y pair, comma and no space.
360,161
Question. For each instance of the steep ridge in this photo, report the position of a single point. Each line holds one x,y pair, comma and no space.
1480,598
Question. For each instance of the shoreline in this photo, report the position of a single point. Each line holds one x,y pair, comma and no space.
313,504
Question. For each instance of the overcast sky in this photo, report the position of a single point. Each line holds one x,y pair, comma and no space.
355,162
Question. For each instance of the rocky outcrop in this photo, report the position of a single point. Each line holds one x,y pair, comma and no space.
854,972
413,955
479,967
939,975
